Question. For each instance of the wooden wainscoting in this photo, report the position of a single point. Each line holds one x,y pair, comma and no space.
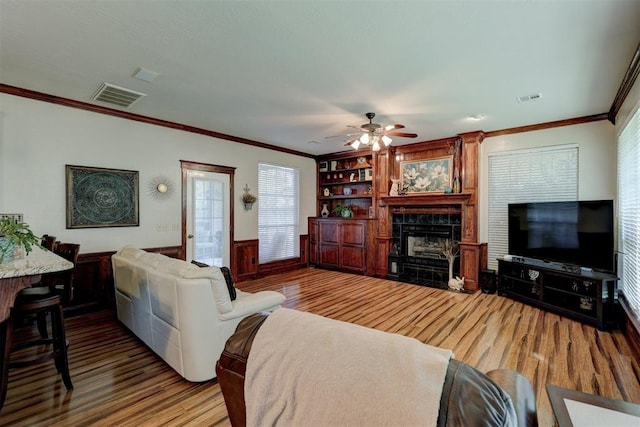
93,280
275,267
245,255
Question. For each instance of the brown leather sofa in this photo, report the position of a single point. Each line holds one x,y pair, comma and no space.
469,397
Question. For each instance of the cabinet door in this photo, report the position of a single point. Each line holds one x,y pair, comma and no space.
354,234
329,255
329,232
353,258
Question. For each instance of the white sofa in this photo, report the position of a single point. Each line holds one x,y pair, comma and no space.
182,312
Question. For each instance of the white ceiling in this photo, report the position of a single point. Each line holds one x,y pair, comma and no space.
289,72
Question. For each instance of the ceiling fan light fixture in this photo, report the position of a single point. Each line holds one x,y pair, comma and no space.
355,144
376,146
364,139
386,140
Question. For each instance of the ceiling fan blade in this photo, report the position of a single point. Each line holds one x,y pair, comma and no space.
393,127
402,134
344,135
349,142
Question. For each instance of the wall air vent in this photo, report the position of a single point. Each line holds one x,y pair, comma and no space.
117,95
534,97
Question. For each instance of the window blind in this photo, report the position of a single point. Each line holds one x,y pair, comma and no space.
629,212
278,212
546,174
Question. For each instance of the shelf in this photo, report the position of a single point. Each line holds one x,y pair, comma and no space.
338,172
347,170
425,199
341,196
329,184
572,293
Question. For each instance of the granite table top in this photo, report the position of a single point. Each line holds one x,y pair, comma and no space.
24,272
39,261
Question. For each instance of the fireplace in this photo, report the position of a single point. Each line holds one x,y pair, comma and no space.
417,247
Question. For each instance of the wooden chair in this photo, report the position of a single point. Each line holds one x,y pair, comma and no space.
26,305
48,242
62,282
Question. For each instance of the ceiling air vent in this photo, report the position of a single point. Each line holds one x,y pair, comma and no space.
117,95
534,97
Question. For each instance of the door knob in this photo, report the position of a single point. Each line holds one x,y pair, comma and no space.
189,236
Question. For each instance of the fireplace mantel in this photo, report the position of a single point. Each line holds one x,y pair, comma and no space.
439,199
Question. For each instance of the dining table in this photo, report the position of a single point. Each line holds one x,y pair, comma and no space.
24,272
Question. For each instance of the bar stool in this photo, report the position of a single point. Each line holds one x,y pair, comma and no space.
60,283
34,304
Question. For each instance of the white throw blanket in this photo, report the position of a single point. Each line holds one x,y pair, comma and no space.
307,370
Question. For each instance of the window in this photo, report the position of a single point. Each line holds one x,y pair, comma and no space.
629,212
547,174
278,212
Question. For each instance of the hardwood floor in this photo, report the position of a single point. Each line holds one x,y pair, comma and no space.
118,381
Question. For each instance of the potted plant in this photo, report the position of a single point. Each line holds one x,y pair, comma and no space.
15,234
342,211
248,199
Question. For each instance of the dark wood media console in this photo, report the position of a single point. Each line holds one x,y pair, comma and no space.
588,296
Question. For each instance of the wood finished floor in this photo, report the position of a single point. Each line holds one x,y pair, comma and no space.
119,382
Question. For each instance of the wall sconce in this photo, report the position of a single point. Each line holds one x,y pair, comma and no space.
160,187
248,199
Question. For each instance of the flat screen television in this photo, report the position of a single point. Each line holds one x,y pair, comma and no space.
577,232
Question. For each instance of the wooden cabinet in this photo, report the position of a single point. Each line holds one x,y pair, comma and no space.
341,244
347,180
589,297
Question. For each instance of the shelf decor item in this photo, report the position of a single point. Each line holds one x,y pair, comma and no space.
343,211
248,199
14,235
325,210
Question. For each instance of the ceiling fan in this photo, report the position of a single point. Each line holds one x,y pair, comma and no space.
374,133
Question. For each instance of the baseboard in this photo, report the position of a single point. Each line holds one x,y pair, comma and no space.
280,266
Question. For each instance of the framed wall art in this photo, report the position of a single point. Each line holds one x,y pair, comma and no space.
427,176
98,197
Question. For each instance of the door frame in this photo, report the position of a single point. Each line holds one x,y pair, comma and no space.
186,165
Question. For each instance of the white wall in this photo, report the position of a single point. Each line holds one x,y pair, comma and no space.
596,160
631,102
37,140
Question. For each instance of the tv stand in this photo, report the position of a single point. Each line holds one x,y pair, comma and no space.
587,296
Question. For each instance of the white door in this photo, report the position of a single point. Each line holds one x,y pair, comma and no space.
208,217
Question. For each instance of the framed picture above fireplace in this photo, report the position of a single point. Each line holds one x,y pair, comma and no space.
427,176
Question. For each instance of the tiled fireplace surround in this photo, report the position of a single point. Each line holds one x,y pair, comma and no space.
417,239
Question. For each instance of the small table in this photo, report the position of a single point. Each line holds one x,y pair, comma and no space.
22,273
573,408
